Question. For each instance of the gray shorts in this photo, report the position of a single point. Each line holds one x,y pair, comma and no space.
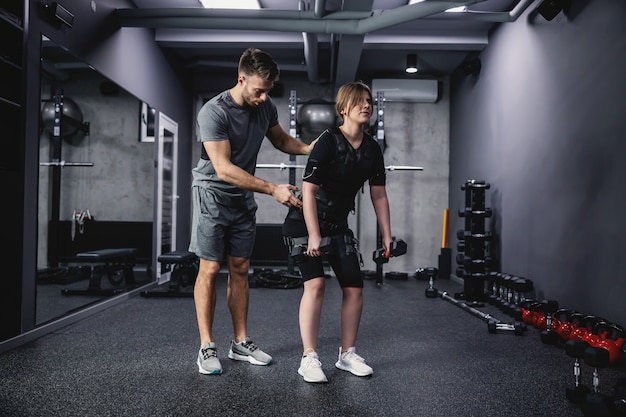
218,230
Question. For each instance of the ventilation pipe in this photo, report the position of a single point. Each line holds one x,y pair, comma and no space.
311,56
496,17
340,22
320,8
310,23
333,56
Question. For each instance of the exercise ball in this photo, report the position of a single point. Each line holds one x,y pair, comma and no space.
71,119
314,117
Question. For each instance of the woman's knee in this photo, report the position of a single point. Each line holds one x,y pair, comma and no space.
353,293
315,286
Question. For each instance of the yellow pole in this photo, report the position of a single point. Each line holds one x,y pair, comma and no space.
444,235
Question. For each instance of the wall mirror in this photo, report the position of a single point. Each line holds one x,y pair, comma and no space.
167,193
95,207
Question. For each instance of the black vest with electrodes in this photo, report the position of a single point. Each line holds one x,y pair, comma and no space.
349,168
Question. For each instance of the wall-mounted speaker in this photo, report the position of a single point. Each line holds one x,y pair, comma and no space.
471,66
550,8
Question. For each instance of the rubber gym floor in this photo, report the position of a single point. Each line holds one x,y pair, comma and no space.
430,358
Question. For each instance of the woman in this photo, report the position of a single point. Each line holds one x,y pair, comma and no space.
343,159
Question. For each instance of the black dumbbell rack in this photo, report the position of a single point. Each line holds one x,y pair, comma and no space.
473,258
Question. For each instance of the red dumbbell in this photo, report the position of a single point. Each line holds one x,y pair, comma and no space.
547,308
610,337
526,308
584,328
568,324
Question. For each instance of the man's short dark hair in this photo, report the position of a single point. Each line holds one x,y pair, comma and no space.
255,61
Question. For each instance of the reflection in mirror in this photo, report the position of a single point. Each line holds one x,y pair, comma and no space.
146,123
95,188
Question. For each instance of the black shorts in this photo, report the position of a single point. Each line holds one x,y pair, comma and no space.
344,259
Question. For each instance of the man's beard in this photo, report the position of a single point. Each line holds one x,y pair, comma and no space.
247,99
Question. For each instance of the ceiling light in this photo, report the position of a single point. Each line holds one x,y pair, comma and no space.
411,64
231,4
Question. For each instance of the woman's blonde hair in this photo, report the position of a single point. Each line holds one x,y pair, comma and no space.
349,95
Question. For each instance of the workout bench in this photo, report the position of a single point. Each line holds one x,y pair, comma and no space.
183,275
116,264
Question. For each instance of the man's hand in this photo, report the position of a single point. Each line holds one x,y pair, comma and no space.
311,146
284,195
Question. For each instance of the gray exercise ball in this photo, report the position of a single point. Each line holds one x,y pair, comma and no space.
71,120
314,117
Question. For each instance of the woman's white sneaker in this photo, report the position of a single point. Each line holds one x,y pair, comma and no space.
311,368
353,363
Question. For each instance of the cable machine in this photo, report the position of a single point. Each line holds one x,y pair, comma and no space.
63,121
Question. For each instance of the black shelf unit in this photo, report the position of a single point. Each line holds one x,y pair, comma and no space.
12,54
11,88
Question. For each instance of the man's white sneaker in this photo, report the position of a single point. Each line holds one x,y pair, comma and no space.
208,364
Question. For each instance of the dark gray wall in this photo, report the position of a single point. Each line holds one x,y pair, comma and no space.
127,56
544,124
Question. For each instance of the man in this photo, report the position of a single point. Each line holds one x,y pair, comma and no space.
232,126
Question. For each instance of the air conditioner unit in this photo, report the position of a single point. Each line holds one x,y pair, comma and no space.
407,91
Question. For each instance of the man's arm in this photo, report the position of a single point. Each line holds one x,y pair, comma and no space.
284,142
219,154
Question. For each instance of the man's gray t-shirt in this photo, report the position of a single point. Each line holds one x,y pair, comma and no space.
222,118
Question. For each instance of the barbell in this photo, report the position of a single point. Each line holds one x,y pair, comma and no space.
282,166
